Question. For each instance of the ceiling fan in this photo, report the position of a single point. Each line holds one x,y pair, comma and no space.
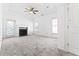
31,10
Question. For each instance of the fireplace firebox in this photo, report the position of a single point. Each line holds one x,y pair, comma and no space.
23,31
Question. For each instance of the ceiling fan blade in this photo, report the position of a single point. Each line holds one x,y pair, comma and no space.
27,8
25,11
36,11
31,9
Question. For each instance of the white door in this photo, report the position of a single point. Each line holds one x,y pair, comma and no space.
74,28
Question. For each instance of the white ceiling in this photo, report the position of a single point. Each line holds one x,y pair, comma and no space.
44,8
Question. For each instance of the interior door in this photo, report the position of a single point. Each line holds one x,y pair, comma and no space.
74,28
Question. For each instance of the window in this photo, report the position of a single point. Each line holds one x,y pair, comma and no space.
10,28
36,26
54,26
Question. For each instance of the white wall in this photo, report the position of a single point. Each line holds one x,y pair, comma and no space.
21,20
0,24
45,25
61,15
73,34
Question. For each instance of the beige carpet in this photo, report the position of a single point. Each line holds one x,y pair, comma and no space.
30,46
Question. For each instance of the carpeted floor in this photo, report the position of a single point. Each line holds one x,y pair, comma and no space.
31,46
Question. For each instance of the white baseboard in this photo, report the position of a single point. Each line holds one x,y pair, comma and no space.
70,51
75,51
